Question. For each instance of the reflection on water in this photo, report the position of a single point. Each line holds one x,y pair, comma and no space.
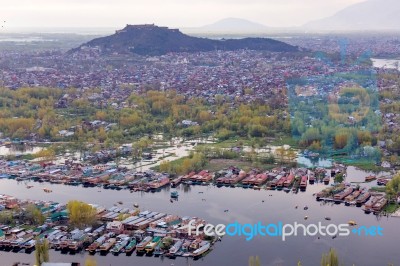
171,150
244,206
316,162
18,150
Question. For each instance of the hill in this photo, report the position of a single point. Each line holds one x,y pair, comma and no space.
154,40
369,15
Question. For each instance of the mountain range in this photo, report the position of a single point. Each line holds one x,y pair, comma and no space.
232,25
369,15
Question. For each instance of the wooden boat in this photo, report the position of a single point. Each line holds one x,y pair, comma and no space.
379,205
175,248
96,244
303,182
105,247
352,223
370,178
281,182
341,195
362,198
120,245
131,246
350,198
201,250
152,245
77,244
370,203
289,180
30,244
176,181
141,246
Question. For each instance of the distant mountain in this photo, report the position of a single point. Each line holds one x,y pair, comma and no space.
368,15
154,40
234,25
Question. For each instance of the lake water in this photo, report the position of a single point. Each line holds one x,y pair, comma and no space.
245,206
19,150
386,63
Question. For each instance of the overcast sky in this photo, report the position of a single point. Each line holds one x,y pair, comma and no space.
173,13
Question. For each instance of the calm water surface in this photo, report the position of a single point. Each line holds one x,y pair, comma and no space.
245,206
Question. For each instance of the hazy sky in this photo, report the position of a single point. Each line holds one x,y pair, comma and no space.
174,13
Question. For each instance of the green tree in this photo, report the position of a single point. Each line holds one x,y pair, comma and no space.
41,251
34,215
330,258
80,213
254,261
393,186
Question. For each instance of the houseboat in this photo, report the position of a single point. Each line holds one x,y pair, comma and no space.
30,245
289,180
152,245
175,248
106,246
303,182
131,246
341,195
351,198
281,182
362,198
96,244
370,203
379,205
176,181
120,245
141,246
76,245
201,250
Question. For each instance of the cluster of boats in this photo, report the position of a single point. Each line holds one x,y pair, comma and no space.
112,177
353,196
118,230
92,241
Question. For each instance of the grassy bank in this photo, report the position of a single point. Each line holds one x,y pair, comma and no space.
391,208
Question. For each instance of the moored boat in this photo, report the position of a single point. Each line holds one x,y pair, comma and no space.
141,246
152,245
303,182
341,195
29,245
351,198
131,246
370,178
96,244
201,250
176,247
174,194
120,245
105,247
362,198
